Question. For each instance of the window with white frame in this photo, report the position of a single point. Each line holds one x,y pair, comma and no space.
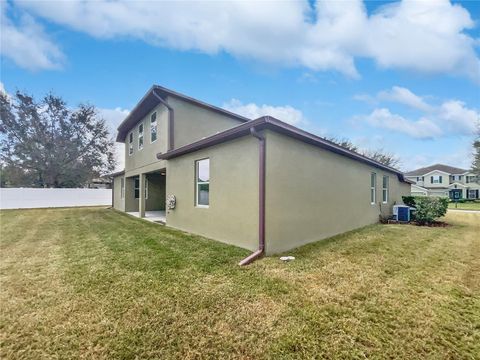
373,186
122,187
436,179
202,183
130,144
140,136
153,127
470,179
385,189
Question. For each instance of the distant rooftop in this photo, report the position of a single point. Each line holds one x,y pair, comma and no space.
441,167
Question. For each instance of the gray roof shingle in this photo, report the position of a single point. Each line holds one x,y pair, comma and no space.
441,167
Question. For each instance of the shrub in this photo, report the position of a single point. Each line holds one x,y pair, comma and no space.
429,209
409,200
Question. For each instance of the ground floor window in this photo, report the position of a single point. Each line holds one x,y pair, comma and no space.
146,188
373,185
472,194
202,183
136,187
122,187
385,189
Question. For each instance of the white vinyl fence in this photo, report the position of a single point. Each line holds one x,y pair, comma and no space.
24,198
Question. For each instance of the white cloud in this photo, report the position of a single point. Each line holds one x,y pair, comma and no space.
458,118
459,157
26,43
404,96
384,119
425,36
285,113
113,118
451,117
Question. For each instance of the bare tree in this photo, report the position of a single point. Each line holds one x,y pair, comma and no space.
379,155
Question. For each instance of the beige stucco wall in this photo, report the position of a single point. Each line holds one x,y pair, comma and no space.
312,194
232,216
428,180
193,123
146,159
131,204
118,202
156,192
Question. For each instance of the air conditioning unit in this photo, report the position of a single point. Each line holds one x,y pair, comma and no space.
401,213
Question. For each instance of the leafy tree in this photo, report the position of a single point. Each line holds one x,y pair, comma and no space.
47,144
379,155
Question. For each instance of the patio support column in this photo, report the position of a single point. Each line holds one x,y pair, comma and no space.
141,197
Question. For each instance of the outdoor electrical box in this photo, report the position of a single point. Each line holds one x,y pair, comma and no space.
401,213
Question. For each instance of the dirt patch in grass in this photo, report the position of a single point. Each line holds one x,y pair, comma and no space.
93,283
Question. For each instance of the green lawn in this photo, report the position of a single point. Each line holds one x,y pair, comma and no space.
93,283
465,206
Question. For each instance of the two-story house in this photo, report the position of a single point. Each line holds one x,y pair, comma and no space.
444,180
259,184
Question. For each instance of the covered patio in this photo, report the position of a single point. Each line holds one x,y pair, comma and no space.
153,216
145,196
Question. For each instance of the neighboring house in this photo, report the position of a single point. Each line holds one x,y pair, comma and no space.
100,183
444,180
259,184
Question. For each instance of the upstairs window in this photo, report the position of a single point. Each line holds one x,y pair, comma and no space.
140,136
436,179
130,144
373,186
470,179
153,127
385,189
202,183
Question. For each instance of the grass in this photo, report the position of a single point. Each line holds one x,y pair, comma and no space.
94,283
465,206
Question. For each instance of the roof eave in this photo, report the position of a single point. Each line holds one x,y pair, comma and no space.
139,111
268,122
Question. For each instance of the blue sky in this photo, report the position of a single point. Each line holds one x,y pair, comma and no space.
402,76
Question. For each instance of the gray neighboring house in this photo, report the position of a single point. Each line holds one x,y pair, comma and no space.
445,181
260,184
